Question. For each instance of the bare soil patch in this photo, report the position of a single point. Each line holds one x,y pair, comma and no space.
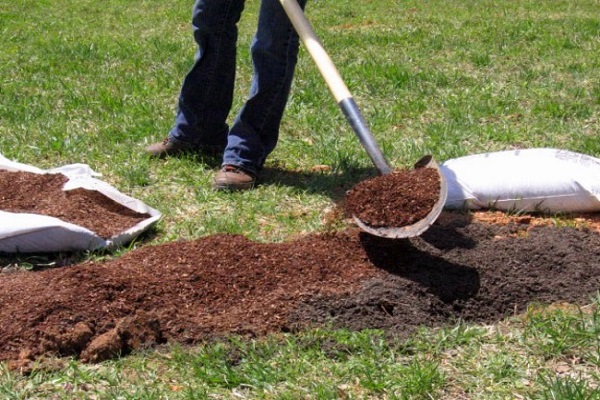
188,292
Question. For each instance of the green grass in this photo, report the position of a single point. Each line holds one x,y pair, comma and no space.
93,82
98,82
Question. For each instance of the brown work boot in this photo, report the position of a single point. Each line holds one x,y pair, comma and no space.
231,177
167,148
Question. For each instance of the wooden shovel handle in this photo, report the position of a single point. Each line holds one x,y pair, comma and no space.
335,83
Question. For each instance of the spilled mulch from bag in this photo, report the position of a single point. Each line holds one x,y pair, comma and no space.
398,199
42,194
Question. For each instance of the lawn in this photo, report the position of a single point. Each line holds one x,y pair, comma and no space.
95,82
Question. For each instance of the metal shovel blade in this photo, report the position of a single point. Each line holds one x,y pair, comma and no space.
423,224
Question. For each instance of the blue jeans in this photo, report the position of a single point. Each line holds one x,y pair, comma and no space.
206,95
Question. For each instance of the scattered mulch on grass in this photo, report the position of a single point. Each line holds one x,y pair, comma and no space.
42,194
398,199
587,221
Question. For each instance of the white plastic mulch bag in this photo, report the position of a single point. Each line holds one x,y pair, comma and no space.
530,180
26,233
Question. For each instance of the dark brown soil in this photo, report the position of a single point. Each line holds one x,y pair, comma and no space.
26,192
395,200
188,292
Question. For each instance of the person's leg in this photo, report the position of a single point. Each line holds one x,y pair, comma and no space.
207,91
255,131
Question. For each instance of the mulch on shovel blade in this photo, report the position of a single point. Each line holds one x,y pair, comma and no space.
398,199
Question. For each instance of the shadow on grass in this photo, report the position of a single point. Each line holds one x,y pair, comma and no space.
14,262
333,184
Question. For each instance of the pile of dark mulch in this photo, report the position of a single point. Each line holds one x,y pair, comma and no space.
398,199
27,192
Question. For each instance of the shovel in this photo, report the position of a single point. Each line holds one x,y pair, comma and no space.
353,115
